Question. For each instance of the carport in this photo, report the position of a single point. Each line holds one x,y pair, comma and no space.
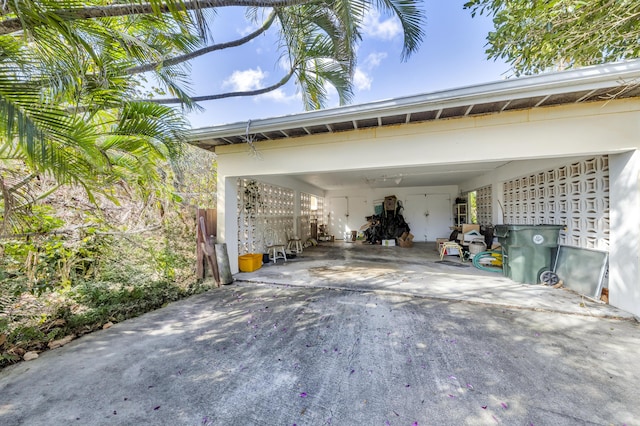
556,148
419,272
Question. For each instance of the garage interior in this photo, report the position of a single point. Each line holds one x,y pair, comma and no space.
550,149
431,203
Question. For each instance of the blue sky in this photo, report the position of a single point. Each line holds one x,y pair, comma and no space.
451,55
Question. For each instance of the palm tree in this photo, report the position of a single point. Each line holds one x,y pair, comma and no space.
70,74
67,109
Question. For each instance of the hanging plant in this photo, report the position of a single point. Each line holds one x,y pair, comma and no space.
252,198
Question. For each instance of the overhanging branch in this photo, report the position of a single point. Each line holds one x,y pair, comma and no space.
220,46
12,25
264,90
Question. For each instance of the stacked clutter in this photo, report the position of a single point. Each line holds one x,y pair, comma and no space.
472,238
477,245
389,226
469,233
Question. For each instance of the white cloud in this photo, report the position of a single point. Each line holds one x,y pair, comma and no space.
279,96
247,30
241,81
361,80
253,79
284,63
385,29
374,60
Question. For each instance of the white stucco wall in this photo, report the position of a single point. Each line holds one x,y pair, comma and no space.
531,139
624,255
565,131
422,227
375,194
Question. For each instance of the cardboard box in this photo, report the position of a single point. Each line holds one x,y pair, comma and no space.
406,240
468,233
467,227
250,262
388,243
390,202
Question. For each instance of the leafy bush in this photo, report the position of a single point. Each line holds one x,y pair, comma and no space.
52,286
76,262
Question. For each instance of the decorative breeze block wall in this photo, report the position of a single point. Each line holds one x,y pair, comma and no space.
304,224
262,206
484,203
306,215
575,195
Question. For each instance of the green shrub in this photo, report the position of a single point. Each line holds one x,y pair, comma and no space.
53,285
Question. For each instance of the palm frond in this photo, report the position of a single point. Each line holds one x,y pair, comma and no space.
412,19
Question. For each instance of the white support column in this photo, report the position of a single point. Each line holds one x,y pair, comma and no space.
498,203
296,213
228,218
624,253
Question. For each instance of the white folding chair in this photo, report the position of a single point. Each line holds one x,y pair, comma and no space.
275,249
294,244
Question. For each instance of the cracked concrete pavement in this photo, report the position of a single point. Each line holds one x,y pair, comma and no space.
290,344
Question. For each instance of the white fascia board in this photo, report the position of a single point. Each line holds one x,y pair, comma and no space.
587,78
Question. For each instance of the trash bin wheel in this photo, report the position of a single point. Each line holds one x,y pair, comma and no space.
549,278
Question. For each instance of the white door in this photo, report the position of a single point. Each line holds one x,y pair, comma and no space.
440,216
337,215
429,216
415,209
358,212
346,214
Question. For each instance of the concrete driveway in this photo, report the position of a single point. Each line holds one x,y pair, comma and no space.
325,348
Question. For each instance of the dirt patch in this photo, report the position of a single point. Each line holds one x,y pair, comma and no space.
350,273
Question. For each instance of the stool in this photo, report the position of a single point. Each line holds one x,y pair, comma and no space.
277,251
450,245
294,245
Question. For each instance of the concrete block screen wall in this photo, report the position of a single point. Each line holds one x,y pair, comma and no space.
262,206
575,195
311,209
484,205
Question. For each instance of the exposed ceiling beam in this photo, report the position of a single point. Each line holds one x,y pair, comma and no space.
466,113
505,105
588,95
543,100
567,85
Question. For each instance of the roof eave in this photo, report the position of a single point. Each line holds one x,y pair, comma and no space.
588,78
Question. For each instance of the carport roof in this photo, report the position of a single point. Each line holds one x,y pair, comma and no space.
595,83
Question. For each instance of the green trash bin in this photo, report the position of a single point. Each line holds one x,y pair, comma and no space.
527,250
